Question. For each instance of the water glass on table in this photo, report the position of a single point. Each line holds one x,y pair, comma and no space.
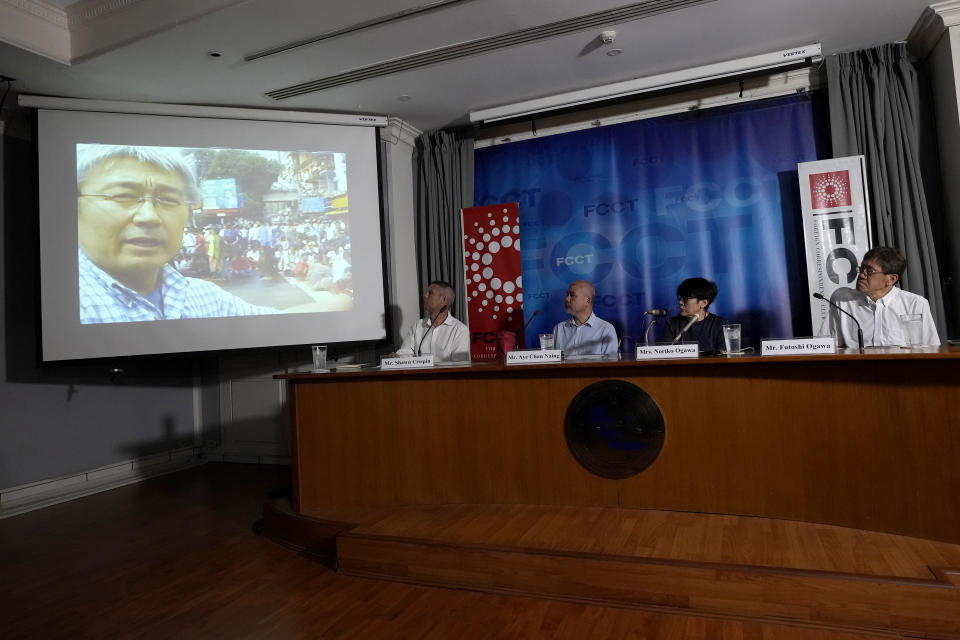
912,328
319,357
731,338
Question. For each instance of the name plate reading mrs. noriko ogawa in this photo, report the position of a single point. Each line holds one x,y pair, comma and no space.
798,346
668,351
407,362
533,356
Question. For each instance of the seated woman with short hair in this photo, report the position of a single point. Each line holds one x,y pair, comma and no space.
695,296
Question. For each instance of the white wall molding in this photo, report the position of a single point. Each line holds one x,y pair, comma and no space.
398,131
36,27
45,493
931,25
90,10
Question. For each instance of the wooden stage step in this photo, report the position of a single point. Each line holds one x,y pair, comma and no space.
727,566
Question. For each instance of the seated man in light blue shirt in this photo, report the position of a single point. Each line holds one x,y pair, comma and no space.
583,333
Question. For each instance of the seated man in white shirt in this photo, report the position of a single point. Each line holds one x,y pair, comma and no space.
583,333
438,332
877,304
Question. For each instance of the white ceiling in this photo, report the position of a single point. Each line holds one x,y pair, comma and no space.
157,50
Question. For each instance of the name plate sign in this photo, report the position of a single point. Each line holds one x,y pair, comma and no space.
798,346
407,362
668,351
532,356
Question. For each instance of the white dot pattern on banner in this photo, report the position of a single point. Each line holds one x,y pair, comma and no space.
488,242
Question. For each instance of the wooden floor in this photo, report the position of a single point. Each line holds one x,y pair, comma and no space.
176,557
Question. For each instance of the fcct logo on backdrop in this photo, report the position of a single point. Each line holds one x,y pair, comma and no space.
830,190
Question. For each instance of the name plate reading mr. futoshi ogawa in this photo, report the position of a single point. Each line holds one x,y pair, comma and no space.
798,346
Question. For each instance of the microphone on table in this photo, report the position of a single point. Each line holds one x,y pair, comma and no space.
820,296
687,326
432,320
656,313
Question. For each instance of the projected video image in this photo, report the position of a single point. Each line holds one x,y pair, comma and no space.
173,232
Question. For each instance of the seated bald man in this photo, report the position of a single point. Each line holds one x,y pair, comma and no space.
583,333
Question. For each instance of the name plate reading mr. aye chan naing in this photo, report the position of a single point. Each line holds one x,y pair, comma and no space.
533,356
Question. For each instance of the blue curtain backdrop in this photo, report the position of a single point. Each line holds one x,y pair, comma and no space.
636,208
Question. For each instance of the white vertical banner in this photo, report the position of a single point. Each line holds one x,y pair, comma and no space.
836,226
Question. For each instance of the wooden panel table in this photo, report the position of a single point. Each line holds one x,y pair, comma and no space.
870,441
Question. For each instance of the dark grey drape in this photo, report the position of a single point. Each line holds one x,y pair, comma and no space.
443,174
874,112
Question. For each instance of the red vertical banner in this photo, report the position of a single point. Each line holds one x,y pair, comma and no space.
493,287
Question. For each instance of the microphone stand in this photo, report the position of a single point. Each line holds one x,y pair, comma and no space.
646,334
820,296
684,330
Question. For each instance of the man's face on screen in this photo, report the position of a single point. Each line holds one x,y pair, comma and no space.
130,219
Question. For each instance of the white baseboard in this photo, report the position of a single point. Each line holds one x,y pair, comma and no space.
45,493
246,458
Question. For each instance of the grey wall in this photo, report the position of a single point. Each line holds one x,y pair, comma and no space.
61,419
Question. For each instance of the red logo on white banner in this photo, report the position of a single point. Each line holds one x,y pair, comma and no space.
830,190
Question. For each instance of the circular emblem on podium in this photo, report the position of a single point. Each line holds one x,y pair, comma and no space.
614,429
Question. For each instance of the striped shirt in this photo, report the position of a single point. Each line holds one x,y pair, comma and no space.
104,299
